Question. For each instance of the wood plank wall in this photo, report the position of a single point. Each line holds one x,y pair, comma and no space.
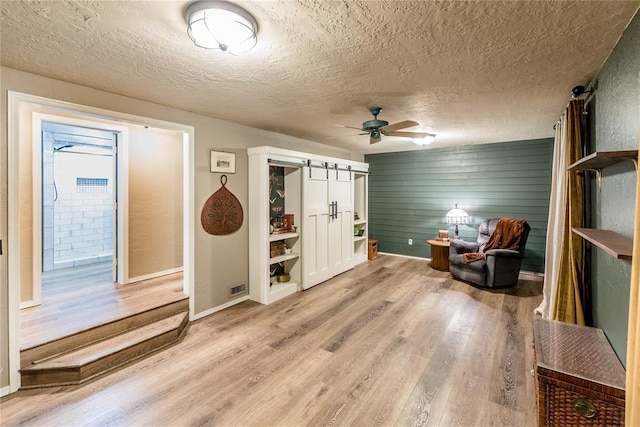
410,192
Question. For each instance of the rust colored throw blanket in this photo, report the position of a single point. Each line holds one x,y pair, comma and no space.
507,235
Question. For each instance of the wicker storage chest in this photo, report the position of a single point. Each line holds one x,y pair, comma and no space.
579,379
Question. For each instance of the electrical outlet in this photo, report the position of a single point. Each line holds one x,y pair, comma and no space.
410,241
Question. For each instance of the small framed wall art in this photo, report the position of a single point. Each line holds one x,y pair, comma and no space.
223,162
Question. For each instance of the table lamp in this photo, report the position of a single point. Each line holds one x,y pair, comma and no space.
457,216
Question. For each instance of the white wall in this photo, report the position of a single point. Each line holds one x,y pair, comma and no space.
155,201
220,261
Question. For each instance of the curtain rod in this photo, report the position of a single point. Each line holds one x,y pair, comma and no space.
590,90
577,91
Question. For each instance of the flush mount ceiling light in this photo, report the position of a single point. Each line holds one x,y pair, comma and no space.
220,25
424,141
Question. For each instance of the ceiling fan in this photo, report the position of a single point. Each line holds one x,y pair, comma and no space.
376,128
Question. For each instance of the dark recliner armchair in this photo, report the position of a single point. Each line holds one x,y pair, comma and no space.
499,267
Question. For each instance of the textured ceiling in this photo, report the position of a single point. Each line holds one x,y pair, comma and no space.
470,72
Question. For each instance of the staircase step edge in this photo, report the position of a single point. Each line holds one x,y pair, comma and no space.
131,338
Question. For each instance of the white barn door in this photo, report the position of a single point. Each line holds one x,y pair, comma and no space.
341,222
316,267
327,232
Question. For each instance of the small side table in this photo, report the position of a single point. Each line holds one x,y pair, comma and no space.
439,254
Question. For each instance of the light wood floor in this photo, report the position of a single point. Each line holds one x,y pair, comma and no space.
391,342
79,298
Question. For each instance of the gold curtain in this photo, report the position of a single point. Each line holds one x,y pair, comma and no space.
632,404
568,303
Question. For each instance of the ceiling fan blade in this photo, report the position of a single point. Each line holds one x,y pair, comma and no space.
373,140
410,134
346,136
400,125
348,127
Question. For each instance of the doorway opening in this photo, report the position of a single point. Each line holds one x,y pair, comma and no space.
26,113
79,221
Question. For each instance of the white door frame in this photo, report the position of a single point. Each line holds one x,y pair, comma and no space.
15,101
122,190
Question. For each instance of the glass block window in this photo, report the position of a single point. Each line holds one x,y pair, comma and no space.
92,185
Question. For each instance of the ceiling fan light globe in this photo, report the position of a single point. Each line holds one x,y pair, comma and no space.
424,141
375,134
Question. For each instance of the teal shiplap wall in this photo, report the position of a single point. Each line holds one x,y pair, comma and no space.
410,193
614,113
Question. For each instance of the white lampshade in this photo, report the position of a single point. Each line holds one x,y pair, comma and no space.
222,26
457,216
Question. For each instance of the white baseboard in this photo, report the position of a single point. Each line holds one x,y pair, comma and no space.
531,275
27,304
154,275
5,391
220,307
524,275
404,256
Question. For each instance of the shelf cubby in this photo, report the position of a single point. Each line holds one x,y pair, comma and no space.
282,236
360,206
283,258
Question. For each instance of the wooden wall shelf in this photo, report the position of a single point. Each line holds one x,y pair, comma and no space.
602,159
614,244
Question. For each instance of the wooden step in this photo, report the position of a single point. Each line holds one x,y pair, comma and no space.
101,332
78,366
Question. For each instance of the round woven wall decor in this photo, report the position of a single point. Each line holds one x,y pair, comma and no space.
222,212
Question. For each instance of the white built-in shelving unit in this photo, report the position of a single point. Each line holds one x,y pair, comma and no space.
263,284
